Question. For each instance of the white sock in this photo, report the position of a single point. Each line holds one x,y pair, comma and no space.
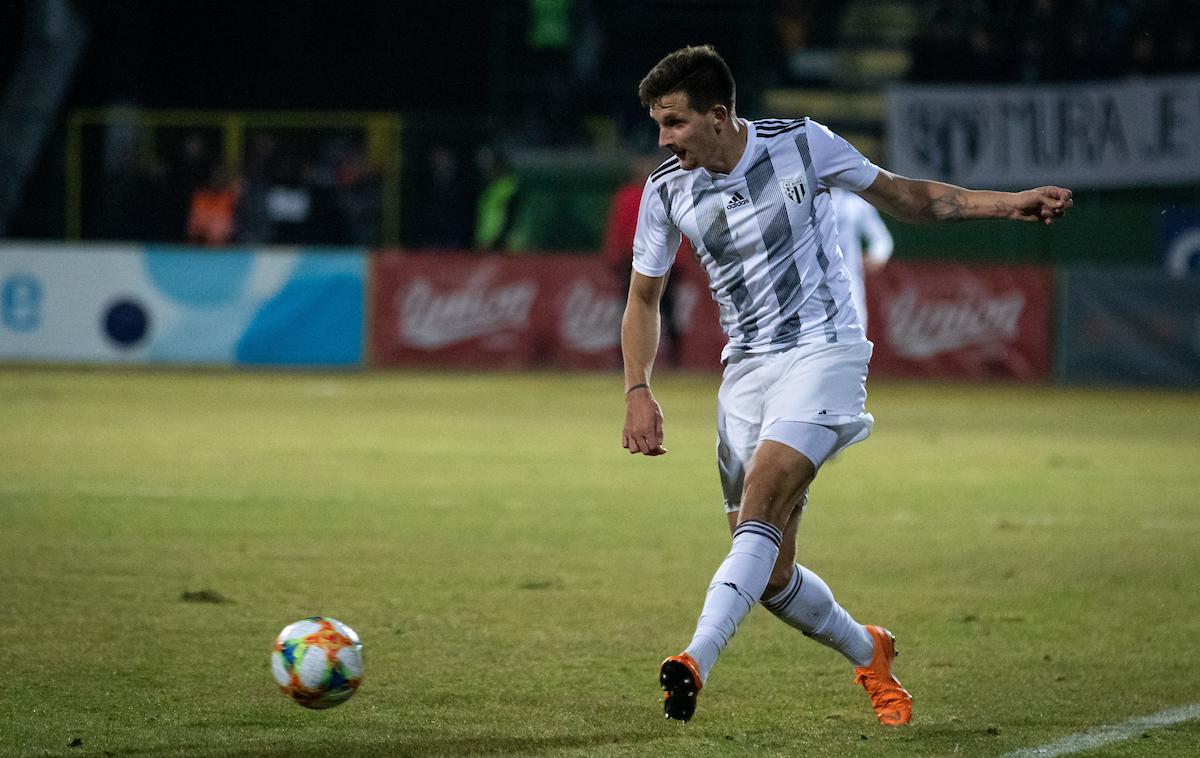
734,590
807,604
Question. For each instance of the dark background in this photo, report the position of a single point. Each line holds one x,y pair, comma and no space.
463,71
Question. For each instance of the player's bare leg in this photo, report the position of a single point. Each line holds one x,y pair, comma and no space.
776,479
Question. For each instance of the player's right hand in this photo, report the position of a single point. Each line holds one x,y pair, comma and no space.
1044,204
643,431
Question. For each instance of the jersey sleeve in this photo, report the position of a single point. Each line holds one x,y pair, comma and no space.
837,162
656,240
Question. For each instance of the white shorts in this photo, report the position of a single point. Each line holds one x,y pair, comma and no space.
771,396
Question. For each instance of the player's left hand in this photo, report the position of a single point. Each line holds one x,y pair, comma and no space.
1043,204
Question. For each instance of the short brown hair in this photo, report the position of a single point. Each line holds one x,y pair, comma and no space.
698,72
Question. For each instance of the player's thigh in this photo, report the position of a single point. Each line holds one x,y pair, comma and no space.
821,388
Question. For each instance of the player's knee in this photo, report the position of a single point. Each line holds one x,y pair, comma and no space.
780,577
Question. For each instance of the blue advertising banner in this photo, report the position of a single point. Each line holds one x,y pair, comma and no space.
1129,327
176,305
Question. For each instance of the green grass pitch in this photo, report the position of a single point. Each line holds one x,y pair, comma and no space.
516,576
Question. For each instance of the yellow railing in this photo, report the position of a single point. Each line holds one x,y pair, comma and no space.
381,140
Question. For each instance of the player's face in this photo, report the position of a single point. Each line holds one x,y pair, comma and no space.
689,134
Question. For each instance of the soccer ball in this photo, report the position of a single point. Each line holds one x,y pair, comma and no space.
317,662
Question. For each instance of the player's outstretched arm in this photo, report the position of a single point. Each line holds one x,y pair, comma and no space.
643,432
922,201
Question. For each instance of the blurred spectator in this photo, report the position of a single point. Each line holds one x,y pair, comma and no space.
184,174
213,207
496,209
253,223
446,200
289,203
296,202
358,197
296,190
340,214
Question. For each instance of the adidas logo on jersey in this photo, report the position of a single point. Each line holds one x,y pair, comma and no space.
737,201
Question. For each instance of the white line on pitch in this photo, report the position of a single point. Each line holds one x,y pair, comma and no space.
1104,735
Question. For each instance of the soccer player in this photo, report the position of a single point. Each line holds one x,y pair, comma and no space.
857,220
753,198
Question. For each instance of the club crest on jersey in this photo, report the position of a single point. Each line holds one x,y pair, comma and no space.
794,189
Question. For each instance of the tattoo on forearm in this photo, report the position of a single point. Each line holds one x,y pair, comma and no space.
949,206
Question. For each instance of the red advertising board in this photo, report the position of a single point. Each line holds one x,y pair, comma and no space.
953,321
465,310
471,311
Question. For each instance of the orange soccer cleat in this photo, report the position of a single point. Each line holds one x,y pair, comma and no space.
680,679
892,703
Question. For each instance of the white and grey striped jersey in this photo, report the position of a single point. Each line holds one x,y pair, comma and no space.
765,233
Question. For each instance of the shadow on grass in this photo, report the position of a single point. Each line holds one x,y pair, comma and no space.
408,745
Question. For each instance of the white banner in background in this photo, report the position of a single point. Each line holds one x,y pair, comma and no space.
1091,135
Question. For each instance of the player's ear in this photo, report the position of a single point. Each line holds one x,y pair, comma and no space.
719,115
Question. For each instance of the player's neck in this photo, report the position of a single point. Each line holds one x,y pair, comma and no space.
732,141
